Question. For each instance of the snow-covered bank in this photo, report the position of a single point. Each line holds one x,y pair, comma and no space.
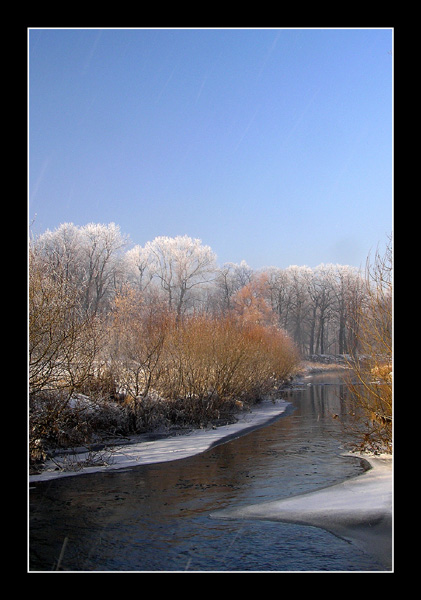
171,448
358,510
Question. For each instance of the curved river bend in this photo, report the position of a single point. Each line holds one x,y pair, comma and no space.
156,517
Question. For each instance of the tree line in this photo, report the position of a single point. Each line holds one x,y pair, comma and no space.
315,306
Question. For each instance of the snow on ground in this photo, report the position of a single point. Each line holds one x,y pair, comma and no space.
171,448
358,510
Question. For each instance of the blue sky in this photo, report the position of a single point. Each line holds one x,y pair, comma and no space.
272,146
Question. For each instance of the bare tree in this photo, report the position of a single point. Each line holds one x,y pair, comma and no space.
63,340
139,330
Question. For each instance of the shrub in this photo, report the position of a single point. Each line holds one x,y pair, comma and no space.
371,384
212,360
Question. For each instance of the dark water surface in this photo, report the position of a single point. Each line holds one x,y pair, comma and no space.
156,517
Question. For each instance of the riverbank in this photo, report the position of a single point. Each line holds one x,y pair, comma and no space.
145,448
140,452
358,510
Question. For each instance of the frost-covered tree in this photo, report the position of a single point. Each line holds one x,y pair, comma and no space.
138,267
314,305
59,252
348,292
181,264
298,277
102,258
280,297
89,259
321,292
229,280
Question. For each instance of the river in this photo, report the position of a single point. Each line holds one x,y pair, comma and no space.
156,518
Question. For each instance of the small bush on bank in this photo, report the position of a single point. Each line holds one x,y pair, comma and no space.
54,424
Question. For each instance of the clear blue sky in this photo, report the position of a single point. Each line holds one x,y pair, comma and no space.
270,145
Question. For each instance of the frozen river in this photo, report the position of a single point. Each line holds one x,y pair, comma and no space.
157,517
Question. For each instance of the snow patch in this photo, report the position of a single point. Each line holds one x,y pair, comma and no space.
358,510
171,448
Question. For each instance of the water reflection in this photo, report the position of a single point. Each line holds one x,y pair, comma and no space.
156,517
